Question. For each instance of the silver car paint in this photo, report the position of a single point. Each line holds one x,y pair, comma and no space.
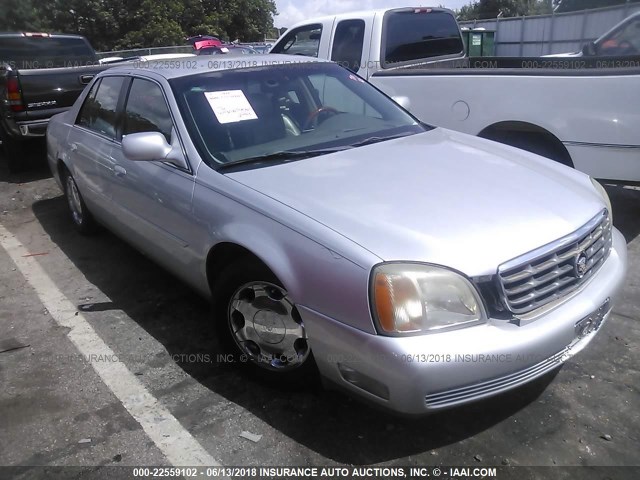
321,225
411,190
415,367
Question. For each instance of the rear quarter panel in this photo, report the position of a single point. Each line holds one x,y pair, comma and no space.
56,138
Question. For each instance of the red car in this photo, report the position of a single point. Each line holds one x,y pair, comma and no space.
202,41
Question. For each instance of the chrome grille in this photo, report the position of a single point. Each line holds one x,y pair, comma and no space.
551,272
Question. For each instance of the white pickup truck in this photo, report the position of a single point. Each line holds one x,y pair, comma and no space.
582,112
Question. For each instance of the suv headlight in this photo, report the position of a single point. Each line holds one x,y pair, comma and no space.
605,197
412,299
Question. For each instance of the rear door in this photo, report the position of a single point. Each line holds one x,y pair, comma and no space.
93,137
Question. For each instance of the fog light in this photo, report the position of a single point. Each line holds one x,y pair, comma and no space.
368,384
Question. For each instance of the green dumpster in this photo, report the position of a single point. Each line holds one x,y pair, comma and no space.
478,42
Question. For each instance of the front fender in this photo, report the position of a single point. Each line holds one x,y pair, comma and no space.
315,275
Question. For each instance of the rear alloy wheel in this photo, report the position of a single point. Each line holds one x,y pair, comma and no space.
262,324
82,218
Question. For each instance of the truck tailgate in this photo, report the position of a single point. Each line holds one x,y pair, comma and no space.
48,89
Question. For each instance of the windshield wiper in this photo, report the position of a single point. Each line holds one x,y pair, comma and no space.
292,155
278,157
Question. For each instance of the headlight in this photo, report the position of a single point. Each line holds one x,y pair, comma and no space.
410,299
605,197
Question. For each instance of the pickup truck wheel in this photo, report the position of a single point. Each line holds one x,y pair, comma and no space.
13,153
541,144
261,325
80,214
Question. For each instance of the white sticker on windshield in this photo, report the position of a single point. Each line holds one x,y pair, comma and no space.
230,106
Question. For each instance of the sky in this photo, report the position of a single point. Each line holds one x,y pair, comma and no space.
293,11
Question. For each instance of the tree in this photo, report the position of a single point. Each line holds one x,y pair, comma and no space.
482,9
19,15
151,23
249,19
124,24
573,5
91,18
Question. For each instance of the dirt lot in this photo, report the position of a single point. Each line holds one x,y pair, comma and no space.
56,408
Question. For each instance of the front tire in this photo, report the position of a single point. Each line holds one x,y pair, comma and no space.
261,325
80,214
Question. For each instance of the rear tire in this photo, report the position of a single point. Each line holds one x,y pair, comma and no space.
13,153
260,325
80,214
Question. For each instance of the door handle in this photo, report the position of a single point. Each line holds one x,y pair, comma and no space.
74,147
119,171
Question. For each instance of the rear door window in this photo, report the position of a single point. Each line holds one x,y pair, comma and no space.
347,44
89,108
99,112
419,34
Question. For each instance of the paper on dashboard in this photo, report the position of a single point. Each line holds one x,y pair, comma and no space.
230,106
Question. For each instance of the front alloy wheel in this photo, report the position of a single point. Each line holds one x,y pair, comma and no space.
267,327
261,324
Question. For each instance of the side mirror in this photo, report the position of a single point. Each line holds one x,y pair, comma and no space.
152,146
404,102
589,49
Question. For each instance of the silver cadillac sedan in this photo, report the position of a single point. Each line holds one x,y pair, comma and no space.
413,266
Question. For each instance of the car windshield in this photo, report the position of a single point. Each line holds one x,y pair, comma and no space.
285,112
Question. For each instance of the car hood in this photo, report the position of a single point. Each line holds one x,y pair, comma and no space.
440,197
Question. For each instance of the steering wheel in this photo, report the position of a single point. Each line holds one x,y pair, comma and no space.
625,48
313,116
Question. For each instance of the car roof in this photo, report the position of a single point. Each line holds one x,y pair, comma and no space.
182,67
360,14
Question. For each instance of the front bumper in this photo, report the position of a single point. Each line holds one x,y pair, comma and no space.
427,373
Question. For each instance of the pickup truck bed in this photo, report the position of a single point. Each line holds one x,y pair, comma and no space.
40,75
579,113
46,92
